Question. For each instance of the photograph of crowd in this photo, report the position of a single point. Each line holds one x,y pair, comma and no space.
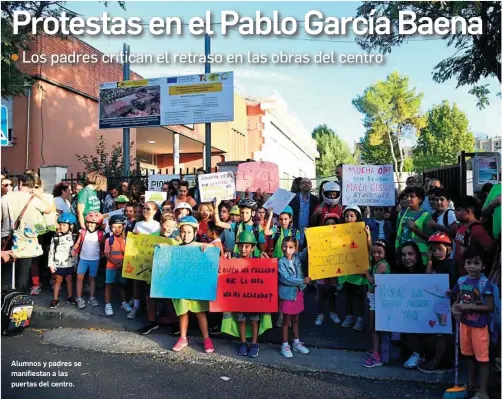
130,102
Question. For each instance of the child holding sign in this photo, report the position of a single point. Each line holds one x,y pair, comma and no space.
188,230
291,286
283,230
379,266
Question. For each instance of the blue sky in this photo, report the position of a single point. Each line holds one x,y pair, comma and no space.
319,94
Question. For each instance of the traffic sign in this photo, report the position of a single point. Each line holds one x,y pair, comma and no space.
4,138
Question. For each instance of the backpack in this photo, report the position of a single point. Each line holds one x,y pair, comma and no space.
17,308
101,236
445,217
277,235
493,317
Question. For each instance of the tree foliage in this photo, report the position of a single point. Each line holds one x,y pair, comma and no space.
444,137
14,80
332,149
391,112
476,56
110,163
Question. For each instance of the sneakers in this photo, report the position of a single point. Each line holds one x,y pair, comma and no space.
54,304
133,313
71,300
80,303
299,347
359,324
36,289
413,361
431,367
286,351
216,330
254,349
208,345
182,343
373,361
280,319
125,306
148,328
108,309
334,317
243,349
319,319
93,302
348,321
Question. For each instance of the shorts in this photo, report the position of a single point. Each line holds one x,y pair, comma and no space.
115,276
64,271
475,341
248,316
371,300
92,265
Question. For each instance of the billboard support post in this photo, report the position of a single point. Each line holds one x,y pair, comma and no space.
207,50
126,132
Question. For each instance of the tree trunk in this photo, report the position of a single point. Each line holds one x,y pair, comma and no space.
394,159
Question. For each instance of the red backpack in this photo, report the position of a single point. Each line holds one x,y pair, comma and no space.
101,235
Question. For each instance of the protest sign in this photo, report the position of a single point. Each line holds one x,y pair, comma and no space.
247,285
138,255
217,185
156,196
412,303
185,272
337,250
155,182
107,216
279,200
258,175
368,185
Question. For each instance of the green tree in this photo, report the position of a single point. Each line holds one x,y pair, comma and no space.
391,113
375,149
332,149
476,56
14,80
445,135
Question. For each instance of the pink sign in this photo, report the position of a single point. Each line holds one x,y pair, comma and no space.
258,175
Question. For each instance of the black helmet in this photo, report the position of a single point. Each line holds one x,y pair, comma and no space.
248,203
117,219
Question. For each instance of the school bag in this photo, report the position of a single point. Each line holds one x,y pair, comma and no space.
493,317
489,254
445,217
101,237
17,308
277,235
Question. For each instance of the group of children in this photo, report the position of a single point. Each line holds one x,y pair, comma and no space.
445,241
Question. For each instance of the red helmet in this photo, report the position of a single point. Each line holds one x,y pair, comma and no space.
330,216
440,238
94,217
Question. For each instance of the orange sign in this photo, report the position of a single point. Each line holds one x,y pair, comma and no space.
247,285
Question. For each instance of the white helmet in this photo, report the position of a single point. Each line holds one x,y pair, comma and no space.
354,208
183,205
330,187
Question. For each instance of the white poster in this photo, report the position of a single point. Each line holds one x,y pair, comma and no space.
155,182
177,100
219,185
279,200
412,303
368,185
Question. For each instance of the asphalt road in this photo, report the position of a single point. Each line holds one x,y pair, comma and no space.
104,375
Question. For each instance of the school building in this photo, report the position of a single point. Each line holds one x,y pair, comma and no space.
58,119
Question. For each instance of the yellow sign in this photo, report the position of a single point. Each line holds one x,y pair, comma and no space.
195,89
138,257
132,83
337,250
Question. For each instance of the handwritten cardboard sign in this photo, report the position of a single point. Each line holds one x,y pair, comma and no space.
337,250
217,185
156,196
412,303
247,285
258,175
368,185
185,272
138,256
155,182
279,200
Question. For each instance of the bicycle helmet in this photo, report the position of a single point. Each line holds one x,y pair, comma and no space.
331,187
246,237
121,199
354,208
440,238
248,203
67,218
235,210
183,205
94,217
188,221
117,219
288,210
330,216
